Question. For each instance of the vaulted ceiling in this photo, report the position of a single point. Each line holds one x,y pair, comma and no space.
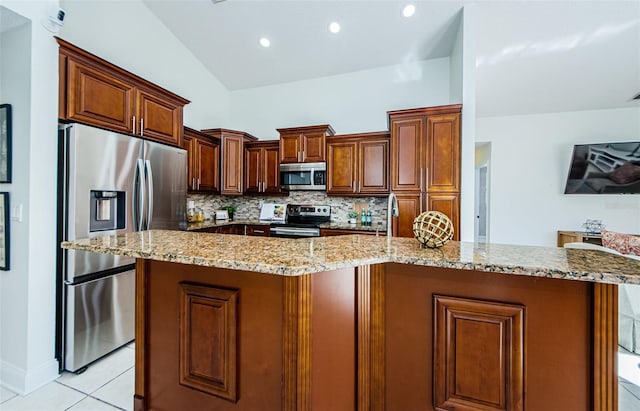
532,56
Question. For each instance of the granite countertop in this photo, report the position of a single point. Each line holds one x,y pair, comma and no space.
293,257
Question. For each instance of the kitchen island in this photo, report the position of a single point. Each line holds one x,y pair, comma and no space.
359,322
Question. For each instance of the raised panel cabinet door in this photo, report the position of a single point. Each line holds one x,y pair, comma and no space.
290,150
406,154
342,168
408,210
271,170
97,98
160,119
313,147
479,355
443,152
231,159
448,204
374,166
252,170
209,175
192,162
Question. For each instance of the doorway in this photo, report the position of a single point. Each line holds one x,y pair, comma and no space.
481,188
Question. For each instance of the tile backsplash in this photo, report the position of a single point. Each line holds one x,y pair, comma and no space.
248,207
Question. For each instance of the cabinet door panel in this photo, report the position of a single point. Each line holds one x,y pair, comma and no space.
449,204
443,152
408,210
374,166
342,168
96,98
271,171
252,170
188,144
209,176
313,147
160,119
231,165
406,152
290,148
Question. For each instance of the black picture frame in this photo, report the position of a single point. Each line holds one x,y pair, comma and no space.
4,231
5,143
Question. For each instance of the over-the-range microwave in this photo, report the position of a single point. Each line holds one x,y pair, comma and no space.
303,176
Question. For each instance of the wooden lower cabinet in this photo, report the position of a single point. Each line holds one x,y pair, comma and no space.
411,205
377,337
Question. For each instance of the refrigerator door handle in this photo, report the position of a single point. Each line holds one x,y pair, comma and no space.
138,201
149,173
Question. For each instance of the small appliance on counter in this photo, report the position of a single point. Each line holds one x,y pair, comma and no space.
273,212
222,215
302,221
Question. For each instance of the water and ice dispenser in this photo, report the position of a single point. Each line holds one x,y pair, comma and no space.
107,209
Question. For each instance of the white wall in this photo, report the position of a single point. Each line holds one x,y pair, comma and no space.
128,35
351,103
27,303
468,127
529,166
456,71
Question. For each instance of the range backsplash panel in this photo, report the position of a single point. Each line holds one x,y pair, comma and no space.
248,207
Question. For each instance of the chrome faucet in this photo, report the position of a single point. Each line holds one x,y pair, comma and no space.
392,211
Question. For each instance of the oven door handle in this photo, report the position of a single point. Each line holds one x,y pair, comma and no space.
310,232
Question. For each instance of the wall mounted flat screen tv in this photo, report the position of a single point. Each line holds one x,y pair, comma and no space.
605,168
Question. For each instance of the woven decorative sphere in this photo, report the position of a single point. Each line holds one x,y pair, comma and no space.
432,229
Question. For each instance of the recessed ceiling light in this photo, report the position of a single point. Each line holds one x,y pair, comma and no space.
334,27
408,10
264,42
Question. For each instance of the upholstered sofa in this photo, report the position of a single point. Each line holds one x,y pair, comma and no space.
628,303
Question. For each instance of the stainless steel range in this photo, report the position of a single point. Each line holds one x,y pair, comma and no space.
303,220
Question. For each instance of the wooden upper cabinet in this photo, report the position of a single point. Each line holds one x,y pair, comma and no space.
208,153
313,147
98,98
271,176
358,164
96,92
203,174
252,170
425,164
290,148
443,152
342,167
160,118
304,144
373,168
406,158
262,168
231,158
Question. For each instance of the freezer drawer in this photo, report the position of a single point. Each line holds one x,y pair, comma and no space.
100,317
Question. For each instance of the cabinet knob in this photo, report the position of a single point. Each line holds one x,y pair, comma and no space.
133,124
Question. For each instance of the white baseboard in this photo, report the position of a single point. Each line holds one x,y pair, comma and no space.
23,381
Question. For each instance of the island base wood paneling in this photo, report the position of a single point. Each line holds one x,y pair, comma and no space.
557,341
289,340
380,337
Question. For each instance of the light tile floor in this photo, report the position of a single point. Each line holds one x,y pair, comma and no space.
107,385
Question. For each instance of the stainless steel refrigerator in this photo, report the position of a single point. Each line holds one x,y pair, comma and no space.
109,184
